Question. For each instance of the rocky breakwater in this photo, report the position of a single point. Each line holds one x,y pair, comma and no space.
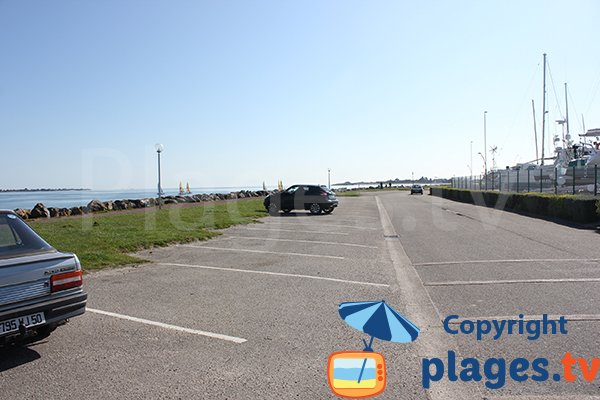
95,206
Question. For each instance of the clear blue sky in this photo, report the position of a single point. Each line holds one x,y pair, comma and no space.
242,92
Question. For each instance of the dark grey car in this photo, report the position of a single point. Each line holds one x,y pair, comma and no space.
40,287
313,198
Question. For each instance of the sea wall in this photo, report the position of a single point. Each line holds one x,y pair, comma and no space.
41,211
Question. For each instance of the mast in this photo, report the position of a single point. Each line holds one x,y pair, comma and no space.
535,131
544,110
567,110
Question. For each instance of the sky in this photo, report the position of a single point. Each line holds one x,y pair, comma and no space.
241,92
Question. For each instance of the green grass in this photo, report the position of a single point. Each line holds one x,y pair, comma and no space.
356,193
353,193
104,240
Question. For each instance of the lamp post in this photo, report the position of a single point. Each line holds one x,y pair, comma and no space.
413,178
485,168
329,178
485,144
471,167
159,149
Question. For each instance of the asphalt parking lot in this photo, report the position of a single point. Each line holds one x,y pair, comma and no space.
253,314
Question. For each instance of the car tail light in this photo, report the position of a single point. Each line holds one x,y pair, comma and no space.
67,280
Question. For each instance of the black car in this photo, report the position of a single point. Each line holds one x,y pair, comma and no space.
313,198
416,189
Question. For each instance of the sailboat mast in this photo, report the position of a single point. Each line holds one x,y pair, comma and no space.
544,110
535,131
567,109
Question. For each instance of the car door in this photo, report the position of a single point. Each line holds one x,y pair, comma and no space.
300,197
287,198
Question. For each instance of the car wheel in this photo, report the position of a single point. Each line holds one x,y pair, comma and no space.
315,209
287,210
328,210
273,209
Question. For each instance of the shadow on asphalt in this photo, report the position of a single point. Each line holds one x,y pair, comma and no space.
299,215
14,356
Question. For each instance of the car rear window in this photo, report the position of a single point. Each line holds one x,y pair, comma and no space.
18,239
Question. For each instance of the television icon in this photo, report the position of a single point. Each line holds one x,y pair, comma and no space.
356,374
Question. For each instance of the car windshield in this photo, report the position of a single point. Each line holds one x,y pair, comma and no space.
18,239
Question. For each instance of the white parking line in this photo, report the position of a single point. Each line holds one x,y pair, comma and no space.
296,231
523,260
304,241
511,282
261,251
278,274
321,225
168,326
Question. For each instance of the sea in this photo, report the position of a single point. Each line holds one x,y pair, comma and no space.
75,198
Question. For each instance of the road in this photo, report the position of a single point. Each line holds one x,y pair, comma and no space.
253,314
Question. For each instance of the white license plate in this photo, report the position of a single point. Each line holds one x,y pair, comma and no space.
12,325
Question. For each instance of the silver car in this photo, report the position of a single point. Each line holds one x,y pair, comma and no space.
40,287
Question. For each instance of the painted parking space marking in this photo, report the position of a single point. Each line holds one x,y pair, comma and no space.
261,251
516,261
249,271
512,282
168,326
304,241
304,225
296,231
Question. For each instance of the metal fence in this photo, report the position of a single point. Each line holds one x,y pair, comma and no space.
544,179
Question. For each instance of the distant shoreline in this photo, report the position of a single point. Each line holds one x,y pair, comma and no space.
43,190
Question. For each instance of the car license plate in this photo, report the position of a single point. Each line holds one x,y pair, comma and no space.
12,325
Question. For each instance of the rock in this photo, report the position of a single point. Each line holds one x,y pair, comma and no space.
76,210
39,211
64,212
109,205
22,213
138,203
170,201
95,206
54,212
120,205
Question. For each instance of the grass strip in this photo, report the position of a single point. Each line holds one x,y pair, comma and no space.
102,241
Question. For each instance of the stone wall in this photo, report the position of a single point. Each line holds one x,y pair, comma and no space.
41,211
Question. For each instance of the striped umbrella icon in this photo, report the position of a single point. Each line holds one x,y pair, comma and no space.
380,321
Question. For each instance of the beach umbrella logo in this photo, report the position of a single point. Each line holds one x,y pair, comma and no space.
360,374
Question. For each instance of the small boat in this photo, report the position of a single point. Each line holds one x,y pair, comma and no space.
181,192
187,188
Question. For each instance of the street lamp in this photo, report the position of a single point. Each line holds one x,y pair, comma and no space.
413,178
485,167
329,178
471,167
159,149
485,144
